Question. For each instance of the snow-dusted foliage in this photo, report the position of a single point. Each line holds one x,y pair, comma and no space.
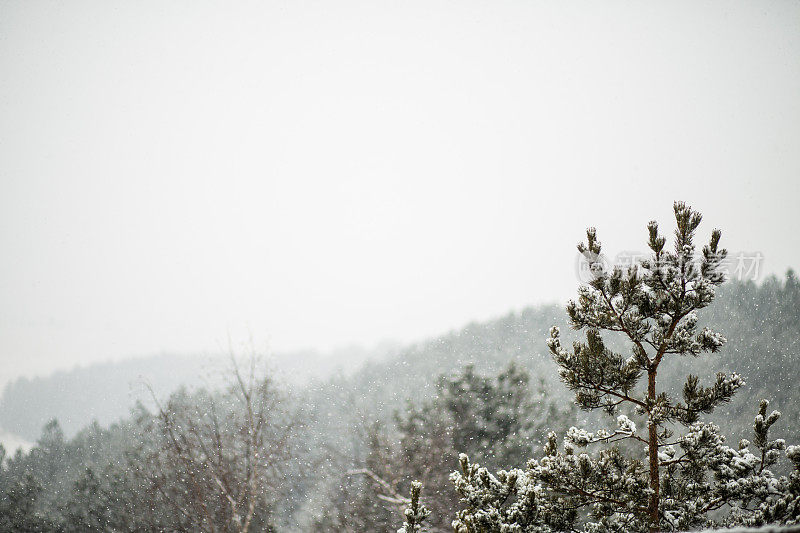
566,490
415,513
640,480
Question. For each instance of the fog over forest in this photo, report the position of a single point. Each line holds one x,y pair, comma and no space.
279,266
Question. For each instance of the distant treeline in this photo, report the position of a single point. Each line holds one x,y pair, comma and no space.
761,322
106,392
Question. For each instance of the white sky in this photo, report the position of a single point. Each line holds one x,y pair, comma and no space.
332,172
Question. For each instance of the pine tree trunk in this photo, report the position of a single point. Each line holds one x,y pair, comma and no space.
653,453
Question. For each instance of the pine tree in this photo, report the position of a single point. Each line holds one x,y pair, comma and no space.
677,482
494,418
654,305
416,512
18,507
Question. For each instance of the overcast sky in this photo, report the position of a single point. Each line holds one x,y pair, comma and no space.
332,172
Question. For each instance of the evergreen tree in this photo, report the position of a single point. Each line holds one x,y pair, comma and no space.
89,509
654,305
18,502
664,481
415,513
496,418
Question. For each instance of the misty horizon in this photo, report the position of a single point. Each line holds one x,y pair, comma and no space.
161,192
